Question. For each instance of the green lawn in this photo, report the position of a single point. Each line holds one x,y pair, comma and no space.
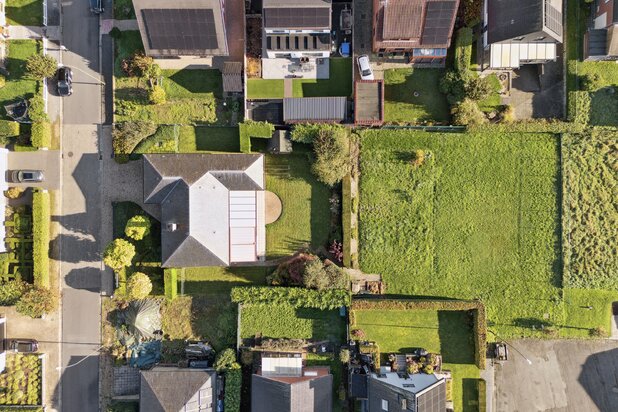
24,12
211,139
587,309
128,43
264,89
17,84
492,102
400,104
305,220
123,10
478,220
445,332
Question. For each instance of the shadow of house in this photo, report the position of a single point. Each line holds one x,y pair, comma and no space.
199,81
86,278
599,380
456,336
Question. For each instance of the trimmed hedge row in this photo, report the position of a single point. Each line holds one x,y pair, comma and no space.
579,107
463,49
250,129
346,217
8,128
41,216
482,388
297,297
476,307
233,384
170,282
41,134
529,126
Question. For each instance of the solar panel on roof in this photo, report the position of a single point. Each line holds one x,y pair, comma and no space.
302,17
181,29
438,19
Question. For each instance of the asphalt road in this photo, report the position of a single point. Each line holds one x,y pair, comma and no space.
80,248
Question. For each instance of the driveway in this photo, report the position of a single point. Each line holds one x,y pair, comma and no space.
565,375
46,160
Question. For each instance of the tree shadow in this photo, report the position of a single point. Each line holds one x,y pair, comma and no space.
603,106
199,81
456,336
470,389
532,323
87,250
85,278
27,14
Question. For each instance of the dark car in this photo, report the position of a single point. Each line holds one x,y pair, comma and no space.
96,6
22,345
27,176
65,81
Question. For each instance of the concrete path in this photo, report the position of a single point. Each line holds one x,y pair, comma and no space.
33,32
488,375
123,25
47,161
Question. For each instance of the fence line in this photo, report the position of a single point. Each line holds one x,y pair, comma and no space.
44,12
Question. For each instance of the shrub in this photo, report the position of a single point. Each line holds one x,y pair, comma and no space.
591,82
36,302
297,297
2,81
579,108
467,113
233,383
453,86
358,334
306,133
508,114
8,128
157,95
331,147
428,369
477,88
314,276
170,282
472,12
119,254
127,135
463,49
140,63
40,66
41,217
344,355
598,332
137,227
249,129
41,134
12,291
14,192
139,286
36,109
418,158
226,360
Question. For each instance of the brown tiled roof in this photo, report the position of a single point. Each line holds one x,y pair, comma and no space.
402,19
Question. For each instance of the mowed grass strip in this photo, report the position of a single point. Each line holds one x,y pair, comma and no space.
481,221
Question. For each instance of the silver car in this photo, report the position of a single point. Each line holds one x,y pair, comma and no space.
27,176
364,67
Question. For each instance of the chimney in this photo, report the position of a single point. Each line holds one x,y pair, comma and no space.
171,227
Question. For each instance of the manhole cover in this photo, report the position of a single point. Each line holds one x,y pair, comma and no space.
70,154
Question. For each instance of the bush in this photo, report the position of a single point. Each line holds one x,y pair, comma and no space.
170,282
14,192
591,82
40,66
8,128
463,49
579,108
141,63
233,383
41,218
472,12
453,86
508,114
331,147
157,95
226,360
127,135
297,297
358,334
41,134
119,254
137,227
418,158
467,113
12,291
477,88
306,133
344,355
36,302
36,109
139,286
2,81
249,129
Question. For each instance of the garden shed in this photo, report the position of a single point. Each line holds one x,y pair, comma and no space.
315,109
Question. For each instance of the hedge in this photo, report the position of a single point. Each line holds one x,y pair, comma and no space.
579,107
475,307
346,219
233,383
482,388
297,297
41,216
41,134
463,49
249,129
170,281
8,128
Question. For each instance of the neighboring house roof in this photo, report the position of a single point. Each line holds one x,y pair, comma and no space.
182,28
419,392
596,42
293,394
315,109
369,102
212,207
168,389
508,19
232,77
298,14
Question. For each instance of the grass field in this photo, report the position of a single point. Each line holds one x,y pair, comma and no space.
305,220
444,332
24,12
17,84
211,139
400,104
478,220
220,280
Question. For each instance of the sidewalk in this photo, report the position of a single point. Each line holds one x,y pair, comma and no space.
33,32
122,25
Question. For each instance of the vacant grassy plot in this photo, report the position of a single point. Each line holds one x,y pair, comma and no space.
24,12
400,104
287,321
305,220
210,139
591,205
445,332
17,85
586,310
478,220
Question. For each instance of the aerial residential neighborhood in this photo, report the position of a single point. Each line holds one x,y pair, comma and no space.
309,205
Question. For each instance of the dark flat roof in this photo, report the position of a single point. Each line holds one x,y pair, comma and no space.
297,17
180,29
368,102
508,19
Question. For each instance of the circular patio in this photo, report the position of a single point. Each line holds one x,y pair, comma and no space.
273,207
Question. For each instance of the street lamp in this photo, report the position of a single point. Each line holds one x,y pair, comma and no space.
59,368
80,70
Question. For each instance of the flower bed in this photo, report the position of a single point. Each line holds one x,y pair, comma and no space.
21,380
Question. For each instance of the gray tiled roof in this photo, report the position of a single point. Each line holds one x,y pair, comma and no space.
318,109
270,395
164,389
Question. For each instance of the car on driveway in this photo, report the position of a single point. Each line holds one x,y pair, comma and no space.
64,78
27,176
364,67
22,345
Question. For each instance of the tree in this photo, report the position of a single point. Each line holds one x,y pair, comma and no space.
14,192
477,88
127,135
467,113
157,95
137,227
39,66
331,147
119,254
314,276
226,360
36,302
139,286
453,86
140,63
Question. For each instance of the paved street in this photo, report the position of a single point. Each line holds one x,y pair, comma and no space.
567,375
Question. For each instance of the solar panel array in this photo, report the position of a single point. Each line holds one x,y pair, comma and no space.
553,18
438,21
301,17
181,29
432,401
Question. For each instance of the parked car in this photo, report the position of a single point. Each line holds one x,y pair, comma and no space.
22,345
364,67
96,6
65,81
27,176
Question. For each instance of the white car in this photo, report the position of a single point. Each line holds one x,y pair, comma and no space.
364,67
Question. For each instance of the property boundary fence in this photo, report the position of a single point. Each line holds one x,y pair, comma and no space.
44,12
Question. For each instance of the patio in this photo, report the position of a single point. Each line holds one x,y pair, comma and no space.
286,68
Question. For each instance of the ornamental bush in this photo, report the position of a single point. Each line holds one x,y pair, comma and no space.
127,135
119,254
467,113
40,66
41,218
233,383
139,286
157,95
138,227
8,128
41,134
226,360
331,147
36,109
36,302
14,192
12,291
